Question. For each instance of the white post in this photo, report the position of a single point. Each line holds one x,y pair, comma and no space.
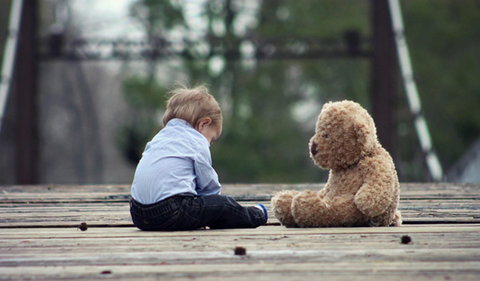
410,86
9,54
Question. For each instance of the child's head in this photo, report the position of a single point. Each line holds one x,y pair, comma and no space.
196,106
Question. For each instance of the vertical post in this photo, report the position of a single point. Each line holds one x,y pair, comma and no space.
25,91
384,67
420,123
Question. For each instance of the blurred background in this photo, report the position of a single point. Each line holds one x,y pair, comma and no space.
90,78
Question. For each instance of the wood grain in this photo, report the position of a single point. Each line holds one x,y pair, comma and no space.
40,239
271,252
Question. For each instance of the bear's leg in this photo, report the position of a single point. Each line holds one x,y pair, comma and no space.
281,205
311,210
397,221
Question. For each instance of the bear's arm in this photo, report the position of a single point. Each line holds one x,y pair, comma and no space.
377,190
321,193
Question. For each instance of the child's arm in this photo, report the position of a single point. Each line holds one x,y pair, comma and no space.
206,177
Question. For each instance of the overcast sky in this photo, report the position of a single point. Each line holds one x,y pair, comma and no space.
105,18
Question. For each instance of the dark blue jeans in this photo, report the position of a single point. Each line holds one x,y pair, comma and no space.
188,212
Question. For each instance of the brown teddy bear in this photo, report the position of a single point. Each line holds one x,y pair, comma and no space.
362,187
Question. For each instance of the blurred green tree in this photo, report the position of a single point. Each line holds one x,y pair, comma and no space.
443,37
270,106
4,18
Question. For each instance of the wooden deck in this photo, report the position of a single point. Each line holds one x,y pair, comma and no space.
40,239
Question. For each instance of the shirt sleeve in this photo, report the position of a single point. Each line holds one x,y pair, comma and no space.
206,178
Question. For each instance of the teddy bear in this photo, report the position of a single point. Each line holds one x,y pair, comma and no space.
362,187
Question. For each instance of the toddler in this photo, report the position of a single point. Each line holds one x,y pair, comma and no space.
175,186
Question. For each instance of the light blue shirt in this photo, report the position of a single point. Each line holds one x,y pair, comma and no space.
177,160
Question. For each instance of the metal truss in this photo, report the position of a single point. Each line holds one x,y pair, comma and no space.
350,46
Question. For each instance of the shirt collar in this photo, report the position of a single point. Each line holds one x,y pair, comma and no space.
178,121
183,123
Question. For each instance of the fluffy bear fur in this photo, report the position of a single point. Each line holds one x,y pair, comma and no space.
362,187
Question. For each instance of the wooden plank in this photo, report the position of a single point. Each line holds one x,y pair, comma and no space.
449,252
245,192
263,230
39,239
102,205
25,241
117,214
119,188
258,271
240,188
82,244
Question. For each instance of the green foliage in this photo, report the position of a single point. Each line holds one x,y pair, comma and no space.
4,19
444,37
267,122
156,16
313,19
142,94
147,98
133,136
263,143
263,140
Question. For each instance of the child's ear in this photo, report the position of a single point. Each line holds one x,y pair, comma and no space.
207,121
202,123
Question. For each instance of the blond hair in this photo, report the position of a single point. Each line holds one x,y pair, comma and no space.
192,105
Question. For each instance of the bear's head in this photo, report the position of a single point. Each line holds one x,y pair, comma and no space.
344,134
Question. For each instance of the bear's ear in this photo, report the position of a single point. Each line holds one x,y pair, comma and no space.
325,108
326,105
365,131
